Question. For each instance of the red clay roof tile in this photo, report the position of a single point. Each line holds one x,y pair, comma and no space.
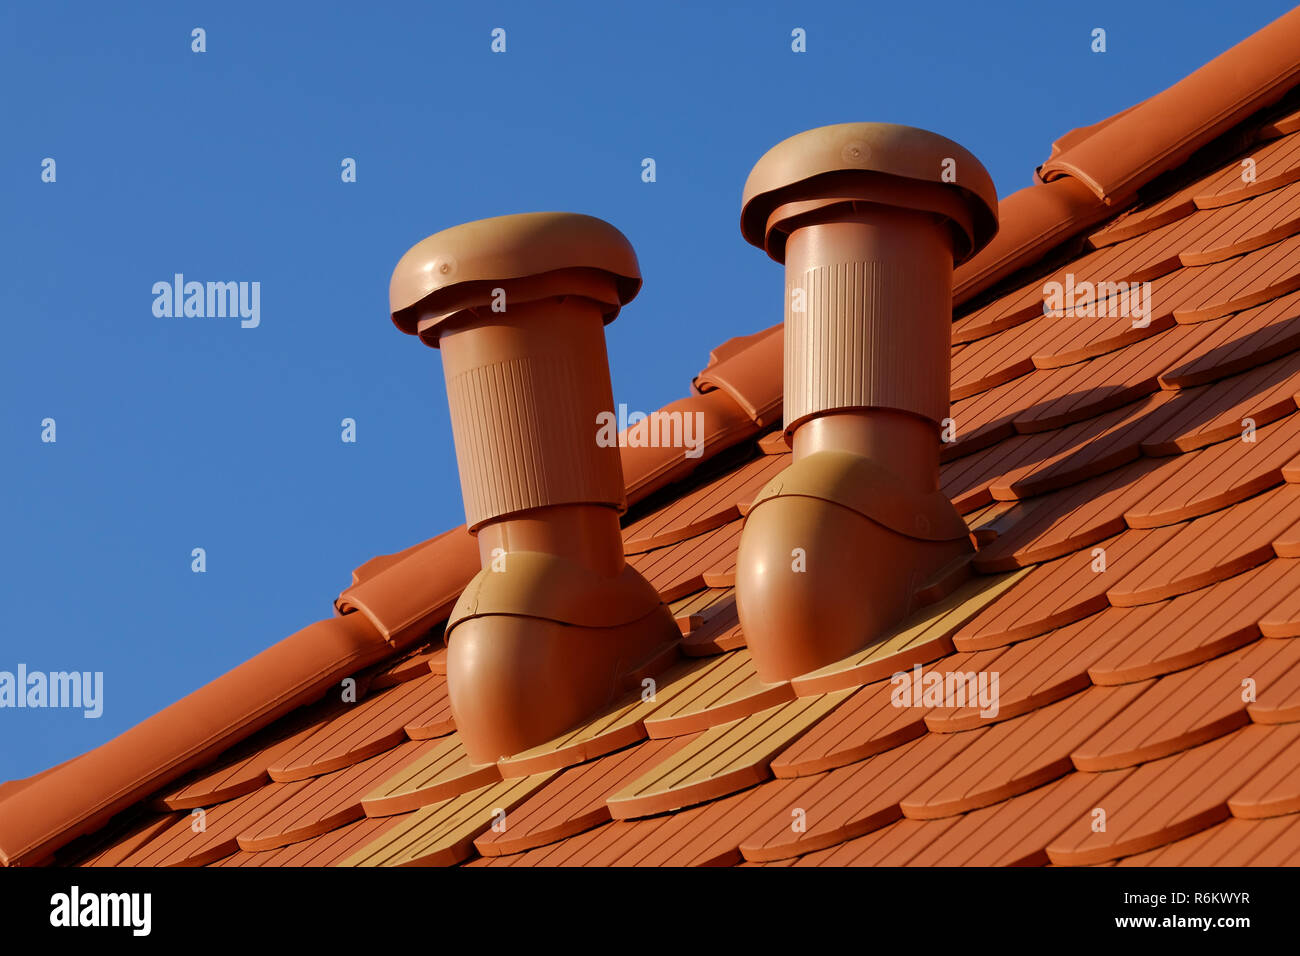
576,801
1206,416
1060,592
438,774
1170,798
1073,518
1073,434
721,760
1031,673
1015,832
1169,127
1183,710
709,506
1254,337
1274,792
1166,636
1276,164
678,570
867,723
751,375
1196,553
370,726
326,850
1279,693
84,794
1017,755
846,802
329,801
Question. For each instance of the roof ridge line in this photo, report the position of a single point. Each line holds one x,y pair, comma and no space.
1090,177
393,601
82,794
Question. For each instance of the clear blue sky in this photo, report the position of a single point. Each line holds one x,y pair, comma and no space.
177,433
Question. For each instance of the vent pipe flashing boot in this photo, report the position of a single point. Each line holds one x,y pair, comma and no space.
868,219
556,625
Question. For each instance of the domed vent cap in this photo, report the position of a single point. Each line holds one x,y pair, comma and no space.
864,161
534,254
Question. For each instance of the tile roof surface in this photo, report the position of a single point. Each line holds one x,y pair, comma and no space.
1135,497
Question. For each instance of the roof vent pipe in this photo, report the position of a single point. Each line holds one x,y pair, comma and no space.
556,625
868,219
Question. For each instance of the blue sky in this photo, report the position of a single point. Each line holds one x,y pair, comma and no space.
181,433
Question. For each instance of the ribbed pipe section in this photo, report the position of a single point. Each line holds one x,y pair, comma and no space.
871,334
525,433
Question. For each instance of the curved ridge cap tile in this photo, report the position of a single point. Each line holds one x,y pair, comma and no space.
1032,221
734,346
647,468
1078,135
11,787
82,795
1166,129
752,375
382,562
413,593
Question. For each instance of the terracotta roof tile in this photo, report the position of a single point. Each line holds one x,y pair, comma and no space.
1032,673
325,850
1246,340
328,802
1207,292
435,718
424,660
678,570
712,628
1184,709
1075,517
1226,543
1162,691
370,726
1166,636
623,724
1206,416
750,375
1017,755
438,774
847,802
895,845
866,723
1281,126
925,636
138,835
1276,164
710,506
721,760
1060,592
204,836
1218,476
1233,230
576,801
1075,453
444,833
1002,313
1230,843
1170,798
1015,832
707,835
1278,693
1274,792
726,689
1283,619
1076,392
235,774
